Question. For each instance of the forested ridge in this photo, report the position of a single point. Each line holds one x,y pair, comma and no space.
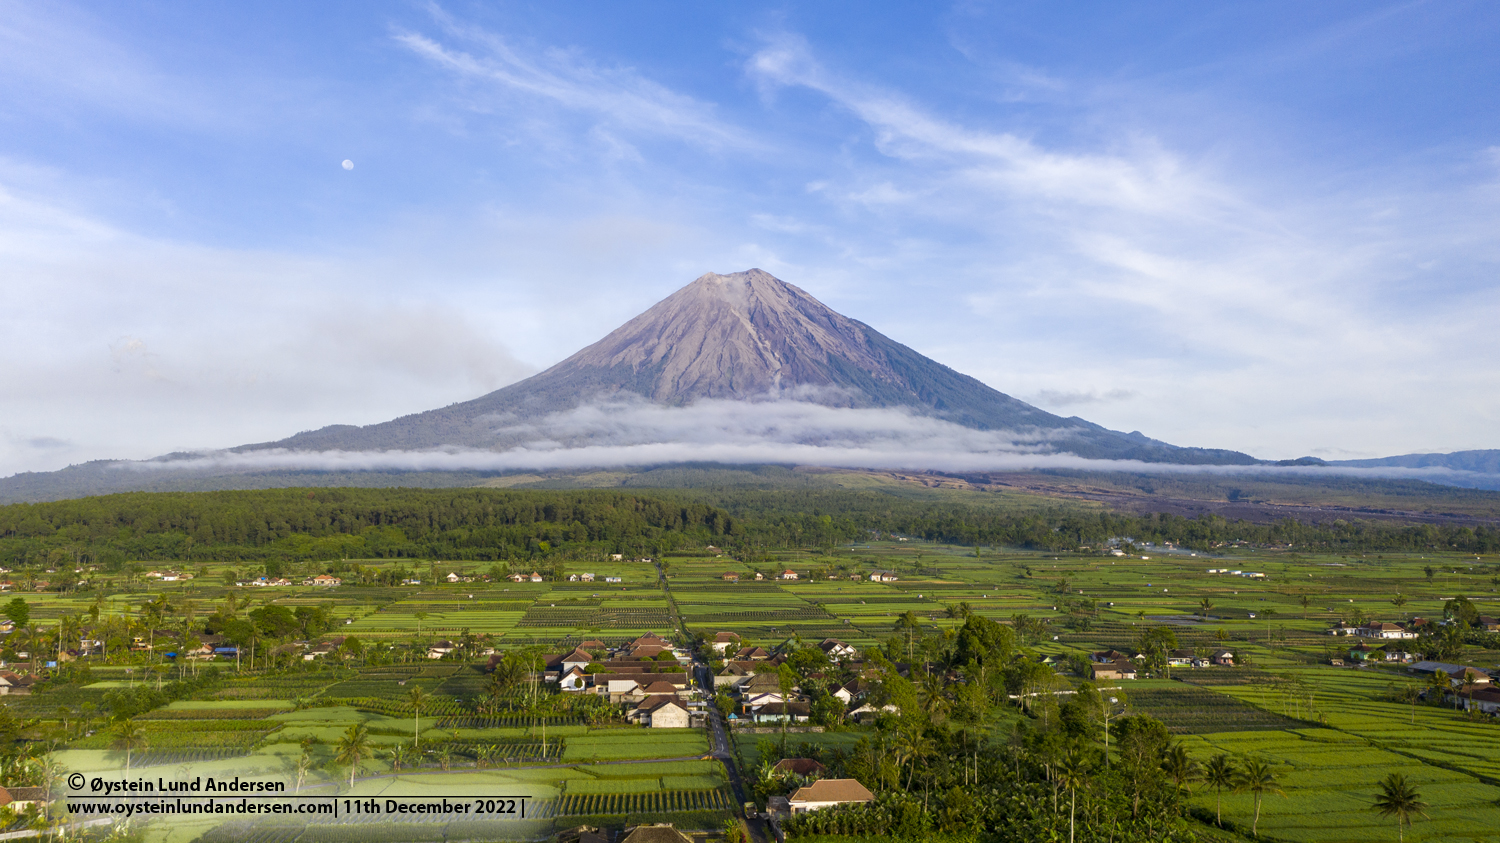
490,524
370,523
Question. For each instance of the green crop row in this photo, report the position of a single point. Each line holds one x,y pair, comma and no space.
657,802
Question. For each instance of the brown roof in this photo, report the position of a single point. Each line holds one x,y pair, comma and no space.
833,790
659,687
799,766
22,794
725,637
659,833
647,651
656,701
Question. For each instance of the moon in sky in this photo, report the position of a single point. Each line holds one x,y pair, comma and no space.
348,165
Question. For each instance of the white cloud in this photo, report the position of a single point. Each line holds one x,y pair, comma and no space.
618,96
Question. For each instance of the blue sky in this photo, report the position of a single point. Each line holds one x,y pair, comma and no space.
1268,227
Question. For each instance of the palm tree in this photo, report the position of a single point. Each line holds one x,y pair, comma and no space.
1219,773
1072,773
1204,605
1180,767
1259,779
129,736
416,697
1305,601
353,748
1399,799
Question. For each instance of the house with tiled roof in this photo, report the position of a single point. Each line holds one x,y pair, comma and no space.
661,711
1124,669
724,640
825,793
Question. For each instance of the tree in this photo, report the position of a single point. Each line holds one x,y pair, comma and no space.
1400,800
416,697
1438,687
1204,605
1180,767
304,761
353,748
1399,600
1429,571
129,736
18,612
1219,773
1257,778
1072,773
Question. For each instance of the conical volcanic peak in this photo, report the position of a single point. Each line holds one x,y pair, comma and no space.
742,335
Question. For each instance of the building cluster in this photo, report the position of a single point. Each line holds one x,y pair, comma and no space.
1381,629
1113,664
751,677
650,674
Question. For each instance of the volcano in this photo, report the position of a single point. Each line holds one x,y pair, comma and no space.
746,337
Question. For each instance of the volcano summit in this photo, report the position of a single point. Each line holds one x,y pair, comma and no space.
744,337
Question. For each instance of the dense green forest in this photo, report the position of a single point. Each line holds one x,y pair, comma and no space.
487,524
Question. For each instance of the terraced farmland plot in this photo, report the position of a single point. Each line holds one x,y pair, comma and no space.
622,744
1186,709
1331,781
589,617
648,802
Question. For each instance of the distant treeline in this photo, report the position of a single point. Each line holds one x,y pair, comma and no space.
324,524
495,525
811,517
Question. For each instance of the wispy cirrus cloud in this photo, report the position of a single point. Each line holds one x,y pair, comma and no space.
620,98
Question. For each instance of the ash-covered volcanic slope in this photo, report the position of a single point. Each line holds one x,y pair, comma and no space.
744,336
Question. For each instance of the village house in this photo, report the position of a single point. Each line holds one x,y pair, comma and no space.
440,649
18,799
536,577
613,579
1123,669
12,684
882,576
837,650
825,793
1457,674
1378,629
1485,698
661,711
795,711
573,681
854,689
723,641
733,675
1223,658
788,574
730,576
